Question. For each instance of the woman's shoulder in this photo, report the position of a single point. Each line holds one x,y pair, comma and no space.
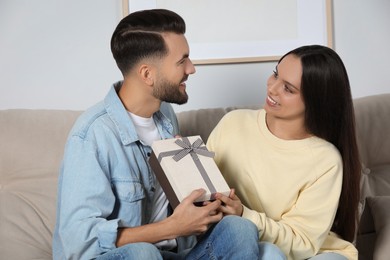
323,145
325,152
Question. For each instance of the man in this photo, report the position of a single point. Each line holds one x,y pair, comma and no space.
110,205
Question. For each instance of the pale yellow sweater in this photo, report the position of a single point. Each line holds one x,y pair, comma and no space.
290,189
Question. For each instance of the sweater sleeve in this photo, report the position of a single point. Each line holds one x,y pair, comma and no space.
303,228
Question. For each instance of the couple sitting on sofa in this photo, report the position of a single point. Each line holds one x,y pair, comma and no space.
293,166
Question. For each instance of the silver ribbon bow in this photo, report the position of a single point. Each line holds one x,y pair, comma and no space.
189,148
193,149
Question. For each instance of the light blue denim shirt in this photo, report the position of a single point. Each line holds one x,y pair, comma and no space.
105,180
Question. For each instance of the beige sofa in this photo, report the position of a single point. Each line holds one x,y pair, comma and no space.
31,148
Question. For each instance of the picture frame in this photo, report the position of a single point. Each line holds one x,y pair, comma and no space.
266,29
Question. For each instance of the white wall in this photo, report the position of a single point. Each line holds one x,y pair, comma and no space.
362,39
56,54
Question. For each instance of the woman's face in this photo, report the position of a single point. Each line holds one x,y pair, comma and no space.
284,98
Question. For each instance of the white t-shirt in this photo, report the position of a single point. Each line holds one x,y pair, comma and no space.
147,132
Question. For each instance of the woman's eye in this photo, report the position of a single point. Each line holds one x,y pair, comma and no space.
287,89
275,74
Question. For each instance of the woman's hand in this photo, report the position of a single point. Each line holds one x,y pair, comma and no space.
231,205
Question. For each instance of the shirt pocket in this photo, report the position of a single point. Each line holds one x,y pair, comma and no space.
129,191
129,203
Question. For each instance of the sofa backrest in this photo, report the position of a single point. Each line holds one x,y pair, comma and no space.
31,148
202,121
373,134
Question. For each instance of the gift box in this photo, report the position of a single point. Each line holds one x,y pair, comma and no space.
182,165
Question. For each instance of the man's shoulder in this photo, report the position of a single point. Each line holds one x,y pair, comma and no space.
88,119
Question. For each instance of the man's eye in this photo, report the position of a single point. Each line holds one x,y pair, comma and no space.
182,61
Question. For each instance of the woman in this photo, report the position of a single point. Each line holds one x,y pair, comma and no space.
295,164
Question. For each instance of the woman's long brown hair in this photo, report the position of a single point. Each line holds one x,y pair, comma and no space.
330,115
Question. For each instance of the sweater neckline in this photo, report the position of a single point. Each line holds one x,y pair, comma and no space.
276,141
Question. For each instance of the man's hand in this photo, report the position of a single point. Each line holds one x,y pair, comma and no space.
188,219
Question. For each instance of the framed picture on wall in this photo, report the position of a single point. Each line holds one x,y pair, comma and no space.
231,31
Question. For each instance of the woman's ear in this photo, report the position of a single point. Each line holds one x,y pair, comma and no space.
146,73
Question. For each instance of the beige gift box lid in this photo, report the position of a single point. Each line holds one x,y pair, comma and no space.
182,165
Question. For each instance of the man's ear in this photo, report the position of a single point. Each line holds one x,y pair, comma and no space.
146,73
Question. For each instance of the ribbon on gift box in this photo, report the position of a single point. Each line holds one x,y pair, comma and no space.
194,150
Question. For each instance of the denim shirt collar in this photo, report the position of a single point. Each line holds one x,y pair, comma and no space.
119,115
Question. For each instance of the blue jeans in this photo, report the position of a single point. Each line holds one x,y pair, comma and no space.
328,256
270,251
132,251
232,238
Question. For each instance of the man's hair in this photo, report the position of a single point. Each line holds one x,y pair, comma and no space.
138,36
329,114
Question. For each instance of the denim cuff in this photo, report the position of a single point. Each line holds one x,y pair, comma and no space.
107,235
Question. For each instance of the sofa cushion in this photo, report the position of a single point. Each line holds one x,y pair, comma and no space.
380,210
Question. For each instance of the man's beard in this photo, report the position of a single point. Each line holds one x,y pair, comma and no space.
170,92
